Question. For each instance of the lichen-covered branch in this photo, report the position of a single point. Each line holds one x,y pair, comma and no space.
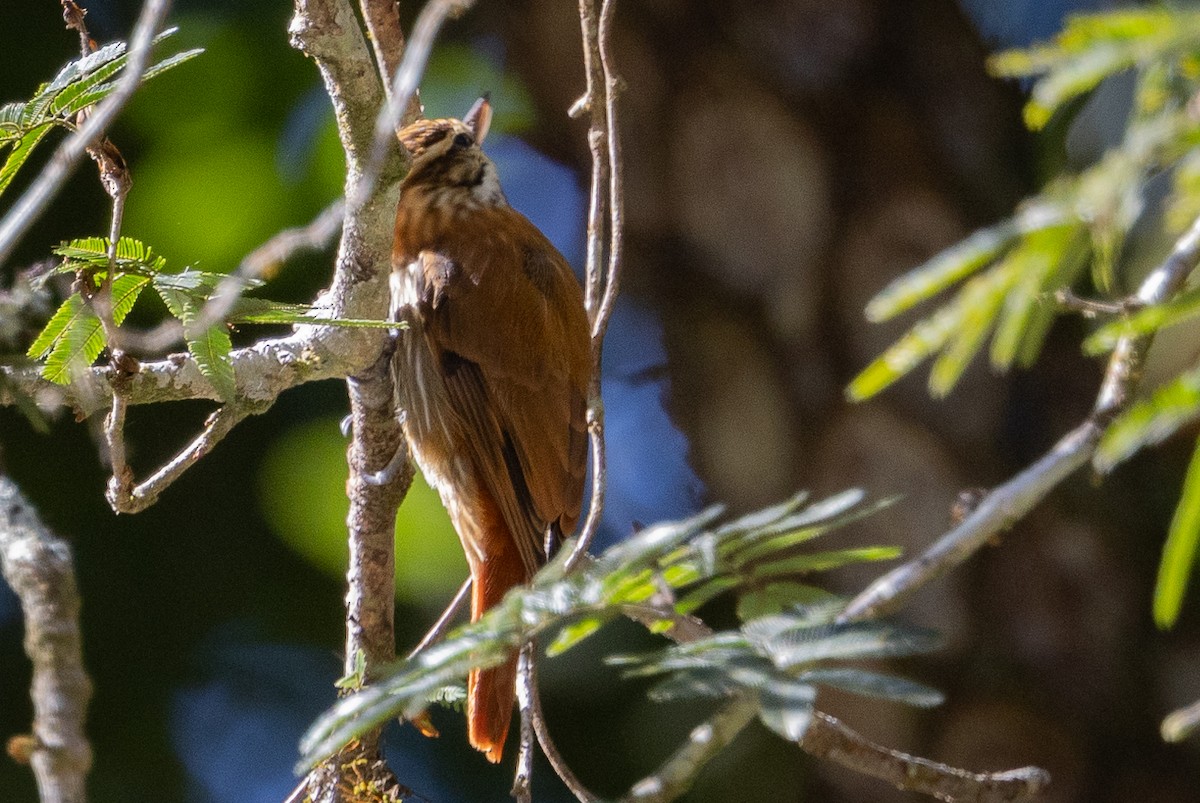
38,566
261,372
328,31
371,598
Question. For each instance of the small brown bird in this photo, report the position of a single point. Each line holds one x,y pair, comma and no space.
491,375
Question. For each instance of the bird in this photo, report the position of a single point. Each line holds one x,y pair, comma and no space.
491,370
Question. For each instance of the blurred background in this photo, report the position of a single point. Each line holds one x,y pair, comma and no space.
784,160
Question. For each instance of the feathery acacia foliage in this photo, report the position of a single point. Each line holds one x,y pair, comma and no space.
778,657
78,85
1011,272
74,336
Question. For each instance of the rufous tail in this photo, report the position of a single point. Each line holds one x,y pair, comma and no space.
491,692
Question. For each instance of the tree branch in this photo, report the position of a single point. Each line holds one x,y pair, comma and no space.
705,741
607,195
38,566
383,26
33,202
522,788
126,496
1007,503
828,738
328,31
401,100
371,598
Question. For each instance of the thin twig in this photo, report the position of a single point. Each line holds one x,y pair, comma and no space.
442,625
607,194
1125,366
262,261
1094,307
1008,502
829,738
549,748
522,788
38,566
403,90
592,102
678,773
126,497
114,440
616,176
33,202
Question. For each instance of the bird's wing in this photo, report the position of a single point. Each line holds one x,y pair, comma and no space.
513,349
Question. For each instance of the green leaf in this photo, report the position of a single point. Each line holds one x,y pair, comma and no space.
91,253
74,336
948,267
924,339
212,350
699,683
20,153
801,645
261,311
1036,264
821,561
185,293
980,301
788,713
572,634
874,684
125,292
11,129
91,91
1179,552
1090,48
764,517
695,599
67,314
1073,79
80,342
1151,420
774,598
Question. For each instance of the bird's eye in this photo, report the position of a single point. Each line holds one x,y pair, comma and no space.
462,141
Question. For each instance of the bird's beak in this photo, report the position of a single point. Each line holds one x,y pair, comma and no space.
479,118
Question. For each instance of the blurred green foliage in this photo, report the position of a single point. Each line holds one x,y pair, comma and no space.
302,488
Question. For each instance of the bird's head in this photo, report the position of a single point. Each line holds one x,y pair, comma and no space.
446,156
